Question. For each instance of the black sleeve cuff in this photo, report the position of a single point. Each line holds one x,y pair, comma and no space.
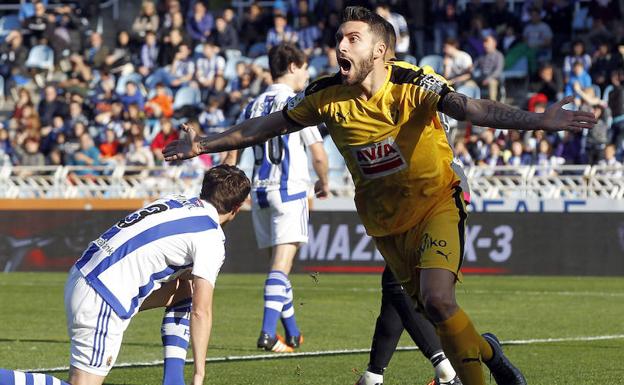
445,91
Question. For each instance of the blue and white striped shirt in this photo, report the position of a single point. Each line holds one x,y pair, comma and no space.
152,246
281,163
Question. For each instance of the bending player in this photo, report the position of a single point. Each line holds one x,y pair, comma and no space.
383,119
142,262
279,193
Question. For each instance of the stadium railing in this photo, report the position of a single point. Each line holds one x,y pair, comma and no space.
135,182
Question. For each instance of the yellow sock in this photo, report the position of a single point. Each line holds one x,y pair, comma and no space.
464,347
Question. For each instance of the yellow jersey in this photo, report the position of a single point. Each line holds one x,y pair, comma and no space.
393,143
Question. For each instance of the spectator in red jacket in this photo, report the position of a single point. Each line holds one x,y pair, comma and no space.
166,135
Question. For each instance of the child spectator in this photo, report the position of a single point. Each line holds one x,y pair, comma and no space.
578,55
28,154
138,153
579,81
110,148
518,156
212,119
161,104
132,96
610,161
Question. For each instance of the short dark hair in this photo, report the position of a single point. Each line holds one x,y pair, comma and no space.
282,56
374,21
225,187
452,42
390,36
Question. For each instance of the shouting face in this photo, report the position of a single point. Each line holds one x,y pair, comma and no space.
355,48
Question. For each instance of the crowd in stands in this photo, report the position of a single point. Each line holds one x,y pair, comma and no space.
80,101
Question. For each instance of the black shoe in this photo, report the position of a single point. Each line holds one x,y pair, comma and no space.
502,369
272,344
294,341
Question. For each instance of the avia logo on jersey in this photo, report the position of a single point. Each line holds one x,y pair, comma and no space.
379,159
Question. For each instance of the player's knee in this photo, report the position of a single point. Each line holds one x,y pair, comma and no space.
439,306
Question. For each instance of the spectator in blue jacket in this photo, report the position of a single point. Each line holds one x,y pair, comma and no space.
199,23
132,96
578,78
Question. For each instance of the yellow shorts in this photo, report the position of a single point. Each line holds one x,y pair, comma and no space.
436,242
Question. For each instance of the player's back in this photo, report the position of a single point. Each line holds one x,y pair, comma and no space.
148,247
281,163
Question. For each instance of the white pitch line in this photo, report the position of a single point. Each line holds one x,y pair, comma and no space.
459,289
322,353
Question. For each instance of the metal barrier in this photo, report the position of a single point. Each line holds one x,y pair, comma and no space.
120,181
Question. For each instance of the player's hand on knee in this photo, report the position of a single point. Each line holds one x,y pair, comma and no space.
321,190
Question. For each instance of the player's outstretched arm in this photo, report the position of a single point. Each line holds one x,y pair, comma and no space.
488,113
244,134
201,324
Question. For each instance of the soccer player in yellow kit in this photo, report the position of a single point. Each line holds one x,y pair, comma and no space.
383,119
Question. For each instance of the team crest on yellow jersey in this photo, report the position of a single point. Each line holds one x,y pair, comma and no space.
379,159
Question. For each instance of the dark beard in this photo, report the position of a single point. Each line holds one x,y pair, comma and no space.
363,69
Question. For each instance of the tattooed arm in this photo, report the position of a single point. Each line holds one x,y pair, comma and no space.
489,113
242,135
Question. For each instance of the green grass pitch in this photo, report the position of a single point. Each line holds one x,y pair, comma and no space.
339,312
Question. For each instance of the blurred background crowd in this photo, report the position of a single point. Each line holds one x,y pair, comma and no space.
77,88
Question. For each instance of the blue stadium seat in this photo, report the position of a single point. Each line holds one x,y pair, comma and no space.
519,70
262,61
471,91
134,77
186,96
317,65
232,57
257,49
412,60
434,61
41,57
8,23
198,51
607,91
597,91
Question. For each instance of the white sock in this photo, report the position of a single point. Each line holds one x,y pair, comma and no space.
443,368
369,378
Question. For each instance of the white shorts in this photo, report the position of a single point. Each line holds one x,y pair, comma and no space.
281,222
94,329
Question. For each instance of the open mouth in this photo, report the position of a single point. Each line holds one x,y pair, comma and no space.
345,66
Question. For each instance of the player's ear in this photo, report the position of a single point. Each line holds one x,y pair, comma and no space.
236,209
292,67
379,51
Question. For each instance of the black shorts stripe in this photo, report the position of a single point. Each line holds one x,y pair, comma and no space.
461,225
